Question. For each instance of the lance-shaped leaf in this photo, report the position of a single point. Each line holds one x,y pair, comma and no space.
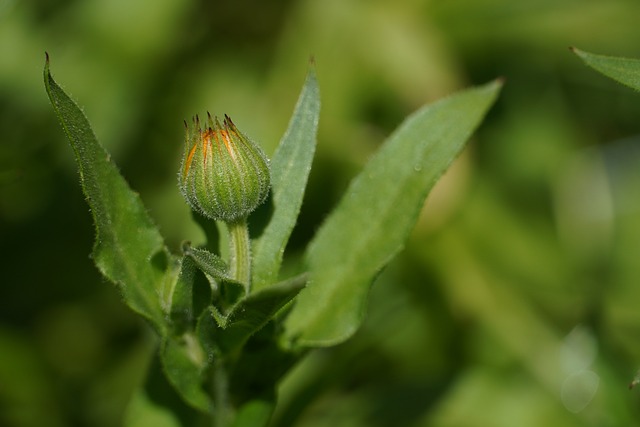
128,249
623,70
251,313
375,216
290,169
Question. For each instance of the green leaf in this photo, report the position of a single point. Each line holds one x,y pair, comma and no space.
251,313
208,262
156,403
129,249
184,361
377,213
290,169
181,314
185,364
623,70
230,291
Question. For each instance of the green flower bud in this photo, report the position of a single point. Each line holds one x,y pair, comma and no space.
224,174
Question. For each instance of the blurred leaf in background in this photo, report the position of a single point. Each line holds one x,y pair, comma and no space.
515,302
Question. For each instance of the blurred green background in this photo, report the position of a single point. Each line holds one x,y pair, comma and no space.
516,300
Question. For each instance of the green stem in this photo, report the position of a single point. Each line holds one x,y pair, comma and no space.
240,252
240,270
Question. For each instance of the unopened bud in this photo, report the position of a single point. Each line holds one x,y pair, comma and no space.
224,174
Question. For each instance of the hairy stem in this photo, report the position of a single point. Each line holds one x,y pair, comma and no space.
240,270
240,252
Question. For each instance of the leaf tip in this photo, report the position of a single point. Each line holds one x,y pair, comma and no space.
578,52
47,73
495,85
311,71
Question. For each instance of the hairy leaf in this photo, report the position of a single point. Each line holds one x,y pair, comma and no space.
290,169
623,70
251,313
229,290
128,249
377,213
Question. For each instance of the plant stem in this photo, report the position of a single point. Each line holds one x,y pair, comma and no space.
240,270
240,252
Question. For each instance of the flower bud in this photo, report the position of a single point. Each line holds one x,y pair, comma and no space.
224,174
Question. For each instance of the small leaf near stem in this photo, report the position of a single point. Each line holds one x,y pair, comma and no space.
240,252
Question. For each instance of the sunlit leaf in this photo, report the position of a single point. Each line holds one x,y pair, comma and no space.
290,168
375,216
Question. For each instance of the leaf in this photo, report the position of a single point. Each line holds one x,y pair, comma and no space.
156,403
377,213
623,70
208,262
184,361
181,314
129,249
185,364
230,290
251,313
290,169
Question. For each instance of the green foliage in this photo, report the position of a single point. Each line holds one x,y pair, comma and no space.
251,313
206,348
128,248
375,216
517,284
623,70
161,289
290,169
